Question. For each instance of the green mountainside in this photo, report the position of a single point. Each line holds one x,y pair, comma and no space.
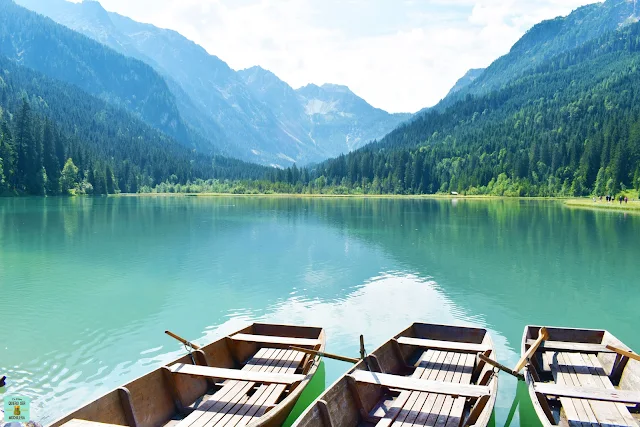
62,54
570,126
56,139
548,39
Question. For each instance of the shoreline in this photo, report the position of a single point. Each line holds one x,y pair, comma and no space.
632,207
342,196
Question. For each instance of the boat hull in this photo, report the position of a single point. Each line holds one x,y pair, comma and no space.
338,407
153,396
630,376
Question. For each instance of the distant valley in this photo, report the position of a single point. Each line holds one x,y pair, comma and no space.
250,114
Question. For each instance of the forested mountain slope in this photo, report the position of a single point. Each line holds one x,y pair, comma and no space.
548,39
55,138
569,126
62,54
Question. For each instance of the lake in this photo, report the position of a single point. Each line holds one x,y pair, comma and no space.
88,285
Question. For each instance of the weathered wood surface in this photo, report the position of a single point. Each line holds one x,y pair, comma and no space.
500,366
571,347
430,409
425,369
444,345
234,374
542,335
84,423
585,392
233,406
599,394
160,398
390,398
268,339
182,340
324,354
412,384
625,353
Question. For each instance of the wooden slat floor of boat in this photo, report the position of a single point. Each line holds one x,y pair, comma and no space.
430,409
232,405
585,370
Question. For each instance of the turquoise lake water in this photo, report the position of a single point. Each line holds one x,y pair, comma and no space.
88,285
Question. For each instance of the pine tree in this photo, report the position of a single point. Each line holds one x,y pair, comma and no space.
7,156
50,159
3,182
110,183
24,145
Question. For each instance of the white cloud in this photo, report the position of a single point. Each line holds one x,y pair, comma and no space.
400,55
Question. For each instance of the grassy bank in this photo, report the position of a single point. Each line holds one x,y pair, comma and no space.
633,206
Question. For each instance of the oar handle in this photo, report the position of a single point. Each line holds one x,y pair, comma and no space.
501,367
182,340
626,353
327,355
542,335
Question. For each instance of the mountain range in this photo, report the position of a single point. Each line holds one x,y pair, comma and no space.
249,114
557,115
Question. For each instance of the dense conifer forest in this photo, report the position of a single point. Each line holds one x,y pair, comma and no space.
57,139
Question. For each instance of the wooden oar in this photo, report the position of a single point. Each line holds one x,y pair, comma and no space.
622,352
501,367
182,340
542,335
327,355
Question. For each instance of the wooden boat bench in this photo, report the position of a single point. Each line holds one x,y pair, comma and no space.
413,384
460,347
423,402
585,391
242,400
235,374
571,347
268,339
600,394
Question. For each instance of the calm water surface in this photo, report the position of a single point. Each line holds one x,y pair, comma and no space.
87,286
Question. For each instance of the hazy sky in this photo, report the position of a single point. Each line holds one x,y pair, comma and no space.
400,55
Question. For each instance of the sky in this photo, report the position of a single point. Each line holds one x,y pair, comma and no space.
399,55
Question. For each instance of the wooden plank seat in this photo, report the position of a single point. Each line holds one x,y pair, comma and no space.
429,409
413,384
237,403
444,345
268,339
571,347
234,374
84,423
601,394
585,391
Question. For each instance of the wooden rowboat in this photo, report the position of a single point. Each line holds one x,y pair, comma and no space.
426,375
575,379
249,377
